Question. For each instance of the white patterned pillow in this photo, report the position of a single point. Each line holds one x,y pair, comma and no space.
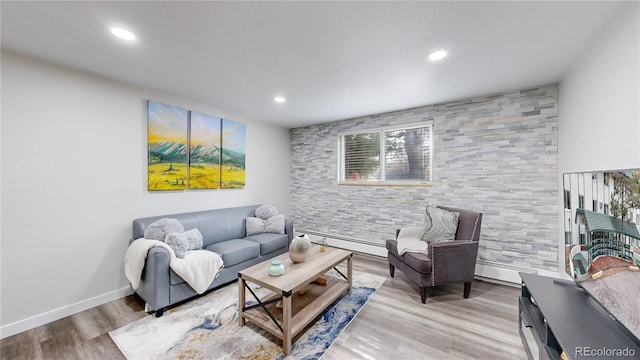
440,225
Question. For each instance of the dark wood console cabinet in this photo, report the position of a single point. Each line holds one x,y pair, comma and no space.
558,316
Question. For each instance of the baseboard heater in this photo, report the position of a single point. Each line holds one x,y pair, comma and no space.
485,269
505,266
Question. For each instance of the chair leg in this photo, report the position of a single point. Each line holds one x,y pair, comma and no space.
467,289
392,270
423,294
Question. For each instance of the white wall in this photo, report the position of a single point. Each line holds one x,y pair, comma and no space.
599,112
74,149
599,105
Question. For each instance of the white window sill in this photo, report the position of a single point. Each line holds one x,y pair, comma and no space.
386,183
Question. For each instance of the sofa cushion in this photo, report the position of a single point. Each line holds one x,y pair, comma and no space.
223,224
269,242
236,251
417,261
174,279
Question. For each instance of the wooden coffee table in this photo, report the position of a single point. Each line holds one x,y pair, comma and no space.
298,310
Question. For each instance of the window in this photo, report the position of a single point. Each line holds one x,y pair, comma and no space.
594,205
581,201
392,155
568,238
606,209
567,199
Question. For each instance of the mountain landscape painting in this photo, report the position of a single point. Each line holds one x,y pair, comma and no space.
167,139
204,162
233,154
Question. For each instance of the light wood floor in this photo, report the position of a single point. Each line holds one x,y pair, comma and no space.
393,325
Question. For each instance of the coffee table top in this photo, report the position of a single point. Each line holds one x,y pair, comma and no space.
296,275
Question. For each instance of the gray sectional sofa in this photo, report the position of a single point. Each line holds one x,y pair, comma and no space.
223,231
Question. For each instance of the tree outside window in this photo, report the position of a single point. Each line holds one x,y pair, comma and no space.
398,155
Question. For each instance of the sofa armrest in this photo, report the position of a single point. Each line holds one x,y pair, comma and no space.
154,285
288,229
453,261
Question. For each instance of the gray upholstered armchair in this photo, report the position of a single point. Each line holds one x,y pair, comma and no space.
446,262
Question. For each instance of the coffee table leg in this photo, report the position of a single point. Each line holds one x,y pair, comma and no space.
286,321
241,301
349,272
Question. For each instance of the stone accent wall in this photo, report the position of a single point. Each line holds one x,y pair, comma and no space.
496,154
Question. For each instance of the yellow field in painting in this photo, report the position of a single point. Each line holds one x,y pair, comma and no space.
167,176
204,176
232,177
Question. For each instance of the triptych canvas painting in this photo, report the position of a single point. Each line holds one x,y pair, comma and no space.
192,150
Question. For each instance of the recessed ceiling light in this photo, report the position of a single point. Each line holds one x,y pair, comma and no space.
437,55
279,99
123,34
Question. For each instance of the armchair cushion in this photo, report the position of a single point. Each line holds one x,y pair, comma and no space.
440,225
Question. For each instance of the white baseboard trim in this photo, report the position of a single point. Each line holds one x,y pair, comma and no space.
62,312
508,273
501,273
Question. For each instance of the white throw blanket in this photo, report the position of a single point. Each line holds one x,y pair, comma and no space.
409,240
198,268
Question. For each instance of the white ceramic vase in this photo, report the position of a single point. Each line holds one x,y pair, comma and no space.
299,248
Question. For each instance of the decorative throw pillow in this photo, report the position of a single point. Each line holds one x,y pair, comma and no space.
179,244
254,226
274,224
159,229
194,237
265,212
440,225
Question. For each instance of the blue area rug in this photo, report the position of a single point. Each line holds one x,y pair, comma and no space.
207,328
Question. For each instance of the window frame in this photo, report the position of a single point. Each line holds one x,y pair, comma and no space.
382,130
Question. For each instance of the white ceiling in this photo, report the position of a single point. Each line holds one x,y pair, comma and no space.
331,60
